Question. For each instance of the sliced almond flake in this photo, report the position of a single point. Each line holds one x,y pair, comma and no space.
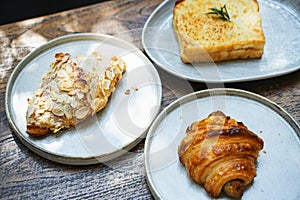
52,75
95,104
30,110
55,130
53,86
39,111
35,101
68,111
93,93
45,76
80,83
57,66
74,103
94,69
85,90
53,95
48,104
63,98
110,74
59,56
71,93
80,95
66,86
39,92
87,77
106,84
62,74
41,102
82,112
65,58
102,91
117,70
69,68
89,98
52,121
45,118
122,65
93,83
58,111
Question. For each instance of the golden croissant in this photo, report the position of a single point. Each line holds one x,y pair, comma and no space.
220,153
72,90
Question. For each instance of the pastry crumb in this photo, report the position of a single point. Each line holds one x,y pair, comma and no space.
135,88
127,91
95,53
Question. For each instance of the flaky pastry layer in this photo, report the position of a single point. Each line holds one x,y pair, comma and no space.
220,153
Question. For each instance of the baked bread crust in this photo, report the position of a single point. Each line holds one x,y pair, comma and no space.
220,153
206,38
72,90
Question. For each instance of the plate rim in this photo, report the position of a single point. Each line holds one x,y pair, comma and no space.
204,80
61,158
204,94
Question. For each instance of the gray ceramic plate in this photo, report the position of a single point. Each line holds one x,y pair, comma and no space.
281,25
278,165
114,130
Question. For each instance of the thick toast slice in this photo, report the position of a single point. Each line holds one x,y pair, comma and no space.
205,37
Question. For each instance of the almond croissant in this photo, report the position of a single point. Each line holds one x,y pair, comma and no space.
220,153
72,90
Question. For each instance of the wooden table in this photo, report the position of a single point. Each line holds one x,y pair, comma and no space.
25,175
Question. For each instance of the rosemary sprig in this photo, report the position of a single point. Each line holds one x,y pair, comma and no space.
222,12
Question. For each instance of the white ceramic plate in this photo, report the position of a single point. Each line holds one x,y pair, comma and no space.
114,130
281,25
278,165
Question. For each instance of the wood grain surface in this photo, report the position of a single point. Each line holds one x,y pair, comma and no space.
25,175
